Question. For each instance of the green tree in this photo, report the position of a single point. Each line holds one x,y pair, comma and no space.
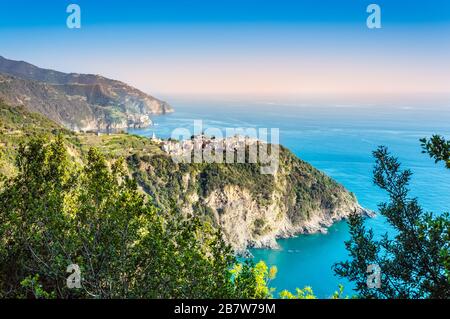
308,293
252,281
438,148
305,293
415,263
56,212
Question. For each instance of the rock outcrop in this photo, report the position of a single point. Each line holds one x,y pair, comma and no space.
253,209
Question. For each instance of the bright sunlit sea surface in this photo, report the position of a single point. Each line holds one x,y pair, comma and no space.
338,140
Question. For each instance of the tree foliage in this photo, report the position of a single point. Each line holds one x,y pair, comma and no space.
438,148
305,293
56,212
415,263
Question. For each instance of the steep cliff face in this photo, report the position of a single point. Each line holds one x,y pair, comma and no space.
246,223
252,209
77,101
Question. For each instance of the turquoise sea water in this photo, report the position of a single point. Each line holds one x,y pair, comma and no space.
338,140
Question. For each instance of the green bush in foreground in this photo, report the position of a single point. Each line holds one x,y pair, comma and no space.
55,212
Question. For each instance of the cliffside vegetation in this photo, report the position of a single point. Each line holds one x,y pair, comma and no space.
253,208
17,125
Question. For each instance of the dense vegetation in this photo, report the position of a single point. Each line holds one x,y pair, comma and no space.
416,263
55,212
154,171
18,125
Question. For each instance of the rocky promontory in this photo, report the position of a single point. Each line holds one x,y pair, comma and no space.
252,209
80,102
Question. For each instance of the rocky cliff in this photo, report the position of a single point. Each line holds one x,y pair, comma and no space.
77,101
252,209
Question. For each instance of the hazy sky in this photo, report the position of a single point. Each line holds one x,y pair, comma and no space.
255,47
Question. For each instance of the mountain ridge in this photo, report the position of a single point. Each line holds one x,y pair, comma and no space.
80,102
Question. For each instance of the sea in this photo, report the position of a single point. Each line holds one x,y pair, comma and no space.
338,140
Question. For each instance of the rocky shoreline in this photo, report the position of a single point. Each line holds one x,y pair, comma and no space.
242,213
310,227
252,209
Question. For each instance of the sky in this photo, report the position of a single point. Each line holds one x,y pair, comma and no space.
302,48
